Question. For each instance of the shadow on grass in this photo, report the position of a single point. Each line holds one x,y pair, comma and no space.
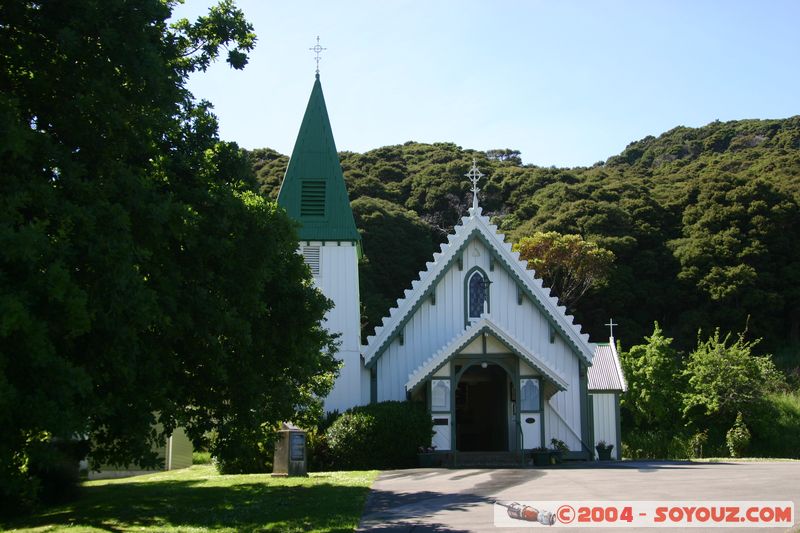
184,504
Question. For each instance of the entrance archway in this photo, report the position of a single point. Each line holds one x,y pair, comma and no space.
482,409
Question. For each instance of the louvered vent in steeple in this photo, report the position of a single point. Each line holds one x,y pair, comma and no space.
311,258
312,199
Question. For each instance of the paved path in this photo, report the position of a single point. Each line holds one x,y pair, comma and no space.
462,500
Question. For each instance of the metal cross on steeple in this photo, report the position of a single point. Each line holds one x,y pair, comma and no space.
611,325
317,49
474,175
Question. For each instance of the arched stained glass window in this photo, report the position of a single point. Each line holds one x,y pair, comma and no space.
477,295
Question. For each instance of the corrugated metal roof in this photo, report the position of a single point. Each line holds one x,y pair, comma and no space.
605,374
313,190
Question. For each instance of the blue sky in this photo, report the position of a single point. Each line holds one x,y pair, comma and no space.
567,83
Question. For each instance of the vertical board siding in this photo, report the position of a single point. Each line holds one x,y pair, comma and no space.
441,434
605,421
338,280
531,433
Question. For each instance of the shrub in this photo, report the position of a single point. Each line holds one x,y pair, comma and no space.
775,426
559,445
319,452
655,445
738,437
697,442
47,472
55,466
379,436
245,452
724,379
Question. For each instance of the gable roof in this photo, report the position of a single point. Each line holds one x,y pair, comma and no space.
479,226
484,325
313,190
606,374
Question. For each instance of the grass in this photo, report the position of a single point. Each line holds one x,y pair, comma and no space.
199,499
201,458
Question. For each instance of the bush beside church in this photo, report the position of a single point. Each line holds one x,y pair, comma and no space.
375,436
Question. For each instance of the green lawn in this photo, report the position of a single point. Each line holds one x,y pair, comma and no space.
198,499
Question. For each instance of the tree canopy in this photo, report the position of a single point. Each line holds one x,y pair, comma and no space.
568,264
142,279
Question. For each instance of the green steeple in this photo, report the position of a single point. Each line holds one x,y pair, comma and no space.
313,190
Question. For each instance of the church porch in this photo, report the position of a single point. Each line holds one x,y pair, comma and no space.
486,394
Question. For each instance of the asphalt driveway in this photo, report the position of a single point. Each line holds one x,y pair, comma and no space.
462,500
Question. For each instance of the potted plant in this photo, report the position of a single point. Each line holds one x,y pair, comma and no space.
604,450
557,450
427,456
541,456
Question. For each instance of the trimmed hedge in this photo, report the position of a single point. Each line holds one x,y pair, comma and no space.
379,436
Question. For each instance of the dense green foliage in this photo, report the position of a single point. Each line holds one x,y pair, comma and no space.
244,451
724,379
775,426
384,226
700,221
141,278
705,402
653,373
379,435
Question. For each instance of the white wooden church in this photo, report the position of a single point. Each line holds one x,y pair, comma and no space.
476,337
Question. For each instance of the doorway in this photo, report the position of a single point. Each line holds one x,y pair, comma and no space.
482,409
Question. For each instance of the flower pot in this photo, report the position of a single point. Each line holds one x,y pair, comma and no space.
429,460
604,454
541,458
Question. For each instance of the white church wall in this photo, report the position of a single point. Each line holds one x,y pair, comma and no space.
338,280
605,421
441,434
531,433
427,330
562,418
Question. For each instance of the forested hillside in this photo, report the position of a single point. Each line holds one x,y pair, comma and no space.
704,224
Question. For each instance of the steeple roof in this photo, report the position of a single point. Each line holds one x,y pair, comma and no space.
313,190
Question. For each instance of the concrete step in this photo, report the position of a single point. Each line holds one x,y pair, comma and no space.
489,459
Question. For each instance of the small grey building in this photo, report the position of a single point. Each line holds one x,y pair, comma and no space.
606,383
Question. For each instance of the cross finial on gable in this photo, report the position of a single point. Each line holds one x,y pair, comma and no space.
474,175
317,49
611,325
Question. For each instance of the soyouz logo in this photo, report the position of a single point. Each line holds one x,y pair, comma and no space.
617,514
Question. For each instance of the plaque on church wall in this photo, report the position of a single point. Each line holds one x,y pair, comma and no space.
297,447
440,395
